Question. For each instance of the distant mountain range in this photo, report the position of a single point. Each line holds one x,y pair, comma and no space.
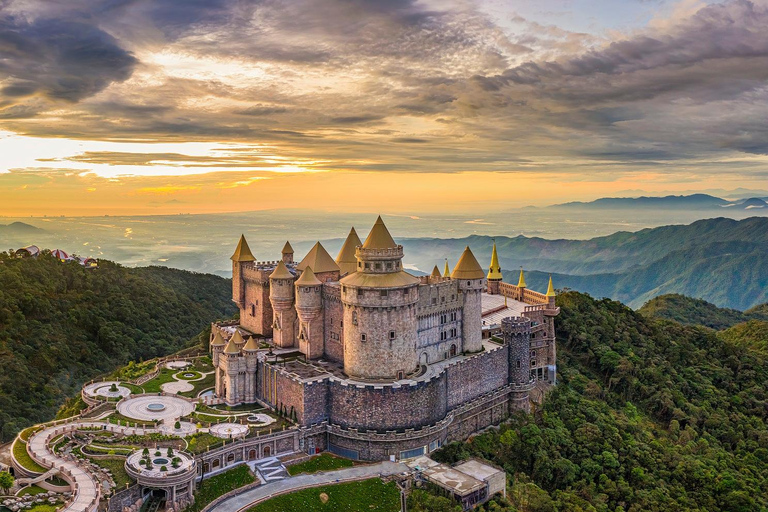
19,228
720,260
690,202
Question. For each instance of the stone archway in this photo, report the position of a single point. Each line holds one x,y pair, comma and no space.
424,358
266,451
252,455
453,350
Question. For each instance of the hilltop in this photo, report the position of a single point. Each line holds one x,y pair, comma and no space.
690,311
62,324
723,261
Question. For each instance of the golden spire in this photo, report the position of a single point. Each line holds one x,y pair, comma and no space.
307,278
467,267
550,288
231,348
494,271
237,337
319,259
521,282
242,252
287,249
346,260
379,237
436,272
251,344
446,270
218,340
281,272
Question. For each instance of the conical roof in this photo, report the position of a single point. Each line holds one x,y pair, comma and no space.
218,340
446,270
467,267
251,344
521,281
281,272
307,278
550,288
319,259
242,252
379,237
494,271
237,337
346,259
231,348
436,272
287,249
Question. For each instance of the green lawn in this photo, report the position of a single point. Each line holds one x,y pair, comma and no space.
198,443
31,489
211,488
366,496
23,458
44,507
183,375
153,385
200,385
322,462
117,466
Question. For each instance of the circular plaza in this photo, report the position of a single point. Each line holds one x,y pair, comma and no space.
151,407
106,389
228,430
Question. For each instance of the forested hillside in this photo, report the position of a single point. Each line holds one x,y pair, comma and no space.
62,324
688,310
649,415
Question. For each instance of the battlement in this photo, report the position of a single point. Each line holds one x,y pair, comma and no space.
523,294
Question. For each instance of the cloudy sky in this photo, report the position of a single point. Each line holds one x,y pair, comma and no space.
166,106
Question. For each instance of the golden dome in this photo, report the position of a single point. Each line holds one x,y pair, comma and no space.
307,278
494,271
242,252
237,337
521,281
319,259
346,259
218,340
467,267
550,288
379,237
251,344
281,272
436,272
231,348
446,270
287,249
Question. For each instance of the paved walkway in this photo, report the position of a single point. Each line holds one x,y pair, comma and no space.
87,494
257,494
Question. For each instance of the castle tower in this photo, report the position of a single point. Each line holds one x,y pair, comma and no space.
521,286
241,257
309,305
322,264
549,318
435,273
380,324
516,332
251,364
471,280
446,270
550,294
232,386
346,260
217,347
237,339
494,273
287,253
283,312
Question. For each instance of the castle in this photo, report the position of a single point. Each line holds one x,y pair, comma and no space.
373,362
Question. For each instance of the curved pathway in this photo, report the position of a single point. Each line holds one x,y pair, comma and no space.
256,495
87,491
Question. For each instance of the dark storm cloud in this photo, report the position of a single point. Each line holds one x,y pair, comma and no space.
62,60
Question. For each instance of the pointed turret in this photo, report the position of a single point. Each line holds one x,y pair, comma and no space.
521,281
237,338
550,288
243,252
446,270
436,272
308,278
467,267
346,259
218,340
231,348
287,253
251,345
494,271
281,272
319,259
379,237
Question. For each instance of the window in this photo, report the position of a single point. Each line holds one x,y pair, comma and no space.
359,292
533,362
434,300
468,283
442,299
359,264
391,335
383,293
363,337
518,364
406,291
389,266
367,266
378,266
354,318
253,310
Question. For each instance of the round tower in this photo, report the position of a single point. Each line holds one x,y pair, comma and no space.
232,388
380,324
287,253
217,347
471,281
309,306
250,350
516,332
284,314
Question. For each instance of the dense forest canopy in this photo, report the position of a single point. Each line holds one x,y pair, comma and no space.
62,324
649,415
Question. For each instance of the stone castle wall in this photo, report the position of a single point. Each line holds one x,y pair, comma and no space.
475,376
334,323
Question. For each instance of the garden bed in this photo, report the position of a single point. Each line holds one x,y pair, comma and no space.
368,495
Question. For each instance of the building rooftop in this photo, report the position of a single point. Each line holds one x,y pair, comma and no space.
477,469
456,481
494,308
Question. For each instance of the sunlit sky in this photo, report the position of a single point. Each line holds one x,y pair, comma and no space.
191,106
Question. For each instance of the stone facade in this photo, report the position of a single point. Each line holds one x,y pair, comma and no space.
375,362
